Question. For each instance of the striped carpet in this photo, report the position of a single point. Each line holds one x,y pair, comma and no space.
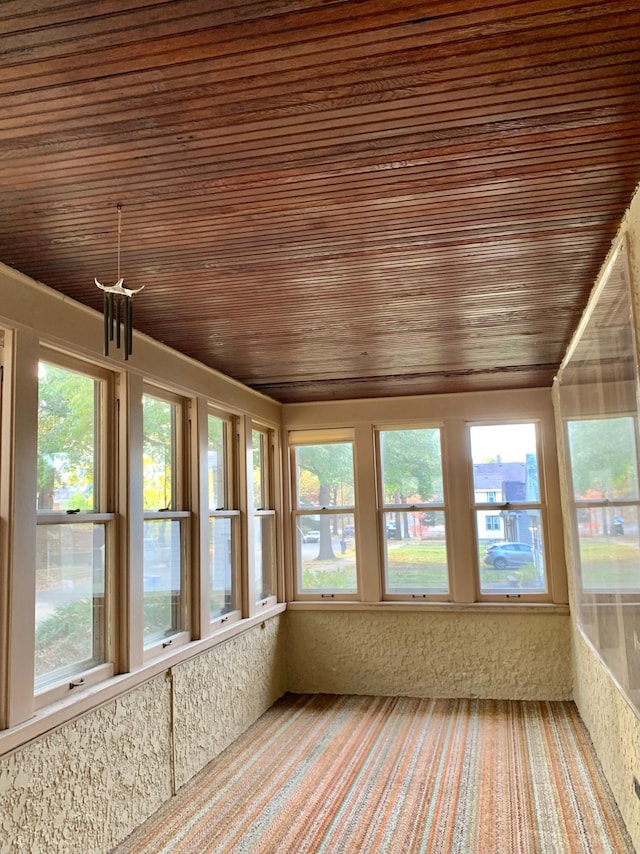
348,775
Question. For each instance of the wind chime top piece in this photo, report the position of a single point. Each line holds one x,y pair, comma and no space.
118,288
118,309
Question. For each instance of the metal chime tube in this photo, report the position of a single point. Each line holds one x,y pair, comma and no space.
105,309
118,322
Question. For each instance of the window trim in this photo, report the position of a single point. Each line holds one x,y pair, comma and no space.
180,494
56,690
301,439
230,511
384,508
452,413
541,506
271,489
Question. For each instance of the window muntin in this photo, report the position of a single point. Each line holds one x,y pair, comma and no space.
73,528
165,521
223,589
324,516
264,516
412,518
511,557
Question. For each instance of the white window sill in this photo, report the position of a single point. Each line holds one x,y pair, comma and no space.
445,607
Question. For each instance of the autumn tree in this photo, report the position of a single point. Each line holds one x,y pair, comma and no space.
331,484
412,470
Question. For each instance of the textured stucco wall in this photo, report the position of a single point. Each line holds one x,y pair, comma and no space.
431,654
614,729
84,787
222,692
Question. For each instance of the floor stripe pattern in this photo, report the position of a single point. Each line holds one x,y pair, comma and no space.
357,775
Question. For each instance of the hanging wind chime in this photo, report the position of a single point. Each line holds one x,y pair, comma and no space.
118,308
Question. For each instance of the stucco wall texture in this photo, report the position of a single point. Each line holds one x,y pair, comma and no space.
614,730
84,787
219,694
430,654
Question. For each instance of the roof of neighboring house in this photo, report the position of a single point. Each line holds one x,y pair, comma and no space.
493,475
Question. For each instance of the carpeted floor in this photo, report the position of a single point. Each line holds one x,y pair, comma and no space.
354,775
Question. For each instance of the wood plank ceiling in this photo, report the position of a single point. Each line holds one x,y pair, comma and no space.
326,199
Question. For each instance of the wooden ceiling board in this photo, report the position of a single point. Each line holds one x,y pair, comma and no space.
360,199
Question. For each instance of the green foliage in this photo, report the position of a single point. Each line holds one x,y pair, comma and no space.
64,638
158,613
411,463
603,458
332,468
66,437
158,452
67,636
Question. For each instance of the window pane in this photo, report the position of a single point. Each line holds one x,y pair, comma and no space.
259,480
264,555
603,458
67,439
162,571
222,597
326,549
609,549
505,466
512,558
411,466
324,475
158,453
216,462
70,590
415,552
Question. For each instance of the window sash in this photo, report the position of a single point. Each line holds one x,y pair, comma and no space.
164,577
223,589
415,554
326,567
508,575
74,546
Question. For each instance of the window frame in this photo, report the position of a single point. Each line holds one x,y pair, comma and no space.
57,689
600,595
309,438
360,419
230,509
385,508
269,510
180,494
505,594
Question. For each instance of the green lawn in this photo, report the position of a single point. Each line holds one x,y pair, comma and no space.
417,565
610,563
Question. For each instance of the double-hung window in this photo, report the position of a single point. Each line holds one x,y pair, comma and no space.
224,518
324,516
75,527
511,543
264,516
165,523
412,513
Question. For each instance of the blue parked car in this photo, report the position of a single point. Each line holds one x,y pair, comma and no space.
505,555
